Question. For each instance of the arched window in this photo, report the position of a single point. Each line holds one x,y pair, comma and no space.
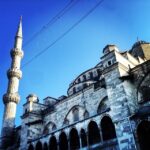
91,75
74,140
83,138
85,85
79,80
63,142
53,143
46,130
49,128
38,146
102,106
74,90
66,122
93,133
108,128
84,77
45,146
143,134
26,110
99,72
31,147
86,114
75,114
53,127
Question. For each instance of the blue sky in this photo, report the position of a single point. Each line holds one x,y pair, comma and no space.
117,22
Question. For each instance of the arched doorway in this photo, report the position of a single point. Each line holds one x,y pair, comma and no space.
143,133
38,146
83,138
93,133
108,128
31,147
63,142
74,139
45,146
53,143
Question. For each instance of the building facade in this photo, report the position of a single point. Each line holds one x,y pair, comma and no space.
106,108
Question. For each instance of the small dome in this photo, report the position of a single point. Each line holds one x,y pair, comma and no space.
109,48
50,101
32,98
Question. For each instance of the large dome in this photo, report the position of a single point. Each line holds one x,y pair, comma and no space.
138,43
84,80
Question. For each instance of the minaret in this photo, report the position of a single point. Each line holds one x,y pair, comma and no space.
11,98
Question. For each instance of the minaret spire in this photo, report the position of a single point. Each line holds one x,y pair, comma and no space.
19,31
19,36
11,98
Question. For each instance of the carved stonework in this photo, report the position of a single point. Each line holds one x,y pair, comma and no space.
14,73
11,97
16,51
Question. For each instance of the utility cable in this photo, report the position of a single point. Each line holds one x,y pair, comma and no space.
60,14
65,33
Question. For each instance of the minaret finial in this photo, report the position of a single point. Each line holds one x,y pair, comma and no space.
18,37
19,31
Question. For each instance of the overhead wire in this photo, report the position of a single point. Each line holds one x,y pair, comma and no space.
65,33
58,16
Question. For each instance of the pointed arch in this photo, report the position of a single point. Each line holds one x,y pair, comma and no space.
63,142
75,106
93,133
38,146
103,105
30,147
83,138
74,114
143,134
86,114
74,139
66,122
51,126
45,146
108,128
53,143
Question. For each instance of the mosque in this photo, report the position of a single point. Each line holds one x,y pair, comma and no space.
106,108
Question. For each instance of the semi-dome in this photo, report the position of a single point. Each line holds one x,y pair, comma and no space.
109,48
50,101
32,98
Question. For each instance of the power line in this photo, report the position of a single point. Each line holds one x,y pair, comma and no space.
65,33
60,14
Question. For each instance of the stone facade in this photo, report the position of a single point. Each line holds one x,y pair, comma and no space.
107,108
102,101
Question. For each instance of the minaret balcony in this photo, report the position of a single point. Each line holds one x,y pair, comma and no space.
14,73
11,97
16,52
